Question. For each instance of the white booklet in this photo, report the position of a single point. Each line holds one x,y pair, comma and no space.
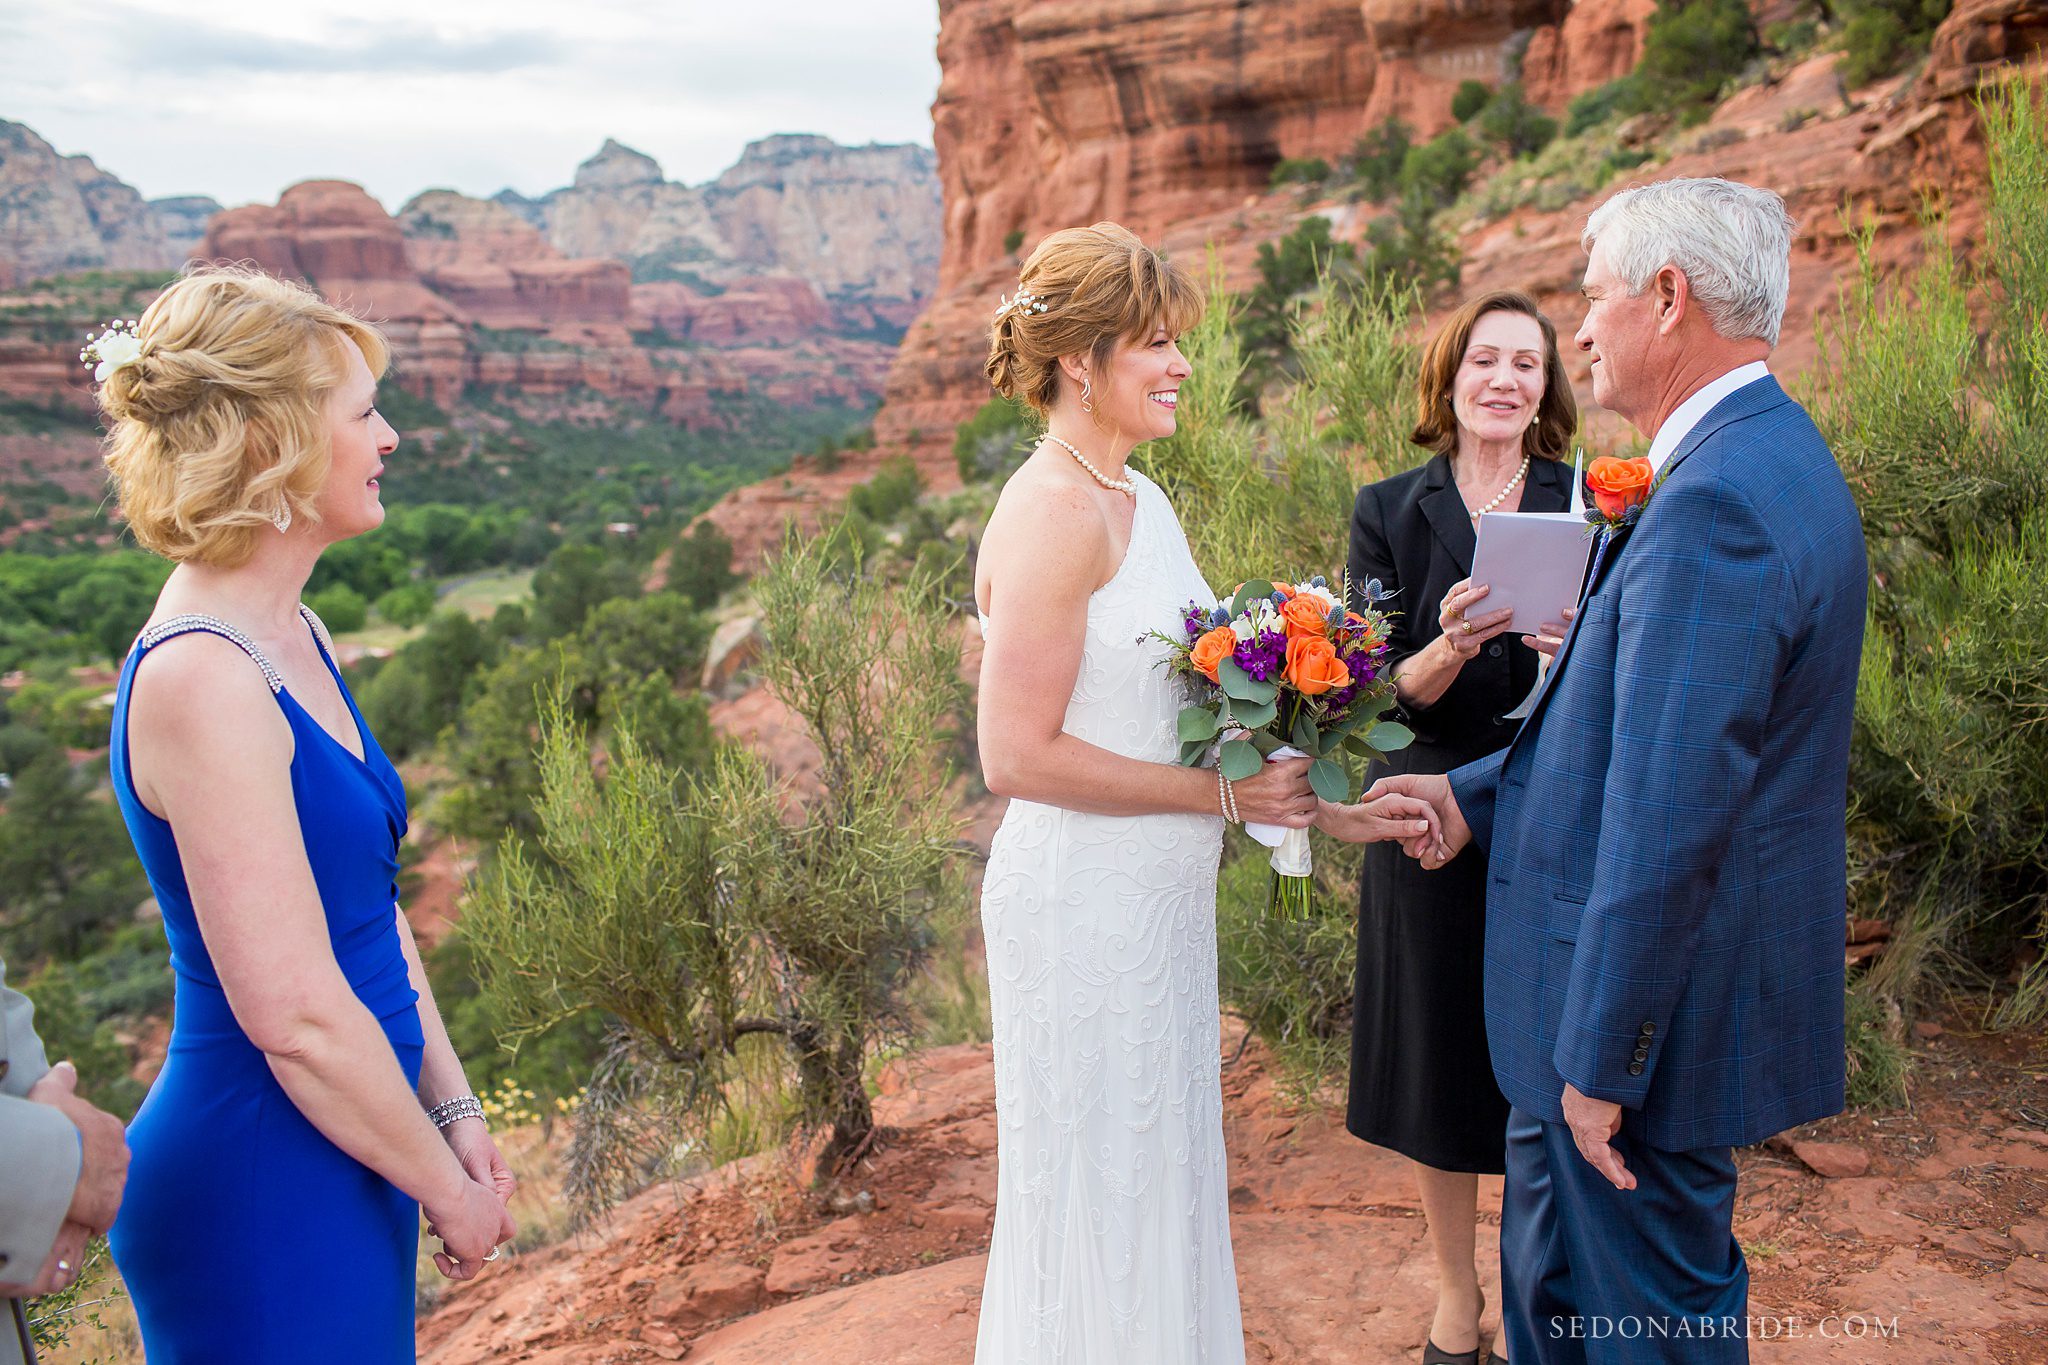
1533,562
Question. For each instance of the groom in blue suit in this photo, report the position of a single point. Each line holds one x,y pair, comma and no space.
1665,836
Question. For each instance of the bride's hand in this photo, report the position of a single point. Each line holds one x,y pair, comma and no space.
1277,794
1409,819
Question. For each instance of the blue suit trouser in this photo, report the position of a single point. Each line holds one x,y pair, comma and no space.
1591,1274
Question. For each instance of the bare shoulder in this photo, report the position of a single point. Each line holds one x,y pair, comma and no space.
1052,525
198,688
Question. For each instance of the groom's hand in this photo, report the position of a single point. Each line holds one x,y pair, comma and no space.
1594,1124
1432,851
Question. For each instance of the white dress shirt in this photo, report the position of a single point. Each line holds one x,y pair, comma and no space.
1680,424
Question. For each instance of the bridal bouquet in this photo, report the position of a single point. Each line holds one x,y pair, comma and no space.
1285,670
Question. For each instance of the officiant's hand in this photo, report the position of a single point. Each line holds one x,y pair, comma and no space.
1594,1124
1466,632
1277,794
1452,834
1548,640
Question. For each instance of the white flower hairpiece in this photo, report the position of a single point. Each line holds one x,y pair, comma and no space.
118,345
1025,302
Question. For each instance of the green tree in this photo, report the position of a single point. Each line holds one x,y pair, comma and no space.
1377,159
1441,168
68,874
407,605
1881,35
341,608
573,581
711,914
700,566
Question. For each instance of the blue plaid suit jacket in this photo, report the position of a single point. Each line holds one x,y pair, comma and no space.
1667,869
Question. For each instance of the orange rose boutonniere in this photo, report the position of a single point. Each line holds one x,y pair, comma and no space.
1619,489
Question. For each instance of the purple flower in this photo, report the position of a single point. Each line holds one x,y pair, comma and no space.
1262,655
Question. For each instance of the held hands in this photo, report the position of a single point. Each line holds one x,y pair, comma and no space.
462,1255
1434,790
1277,794
1594,1124
1408,819
60,1267
471,1223
103,1161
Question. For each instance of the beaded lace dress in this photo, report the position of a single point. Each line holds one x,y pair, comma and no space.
1112,1230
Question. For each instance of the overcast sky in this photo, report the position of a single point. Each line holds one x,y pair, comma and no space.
473,95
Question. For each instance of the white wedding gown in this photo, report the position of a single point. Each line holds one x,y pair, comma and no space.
1112,1231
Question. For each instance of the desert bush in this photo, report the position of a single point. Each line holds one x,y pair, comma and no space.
1591,108
1470,98
994,441
1882,35
1441,168
1514,125
1692,49
1945,442
1377,159
1300,170
719,912
1407,246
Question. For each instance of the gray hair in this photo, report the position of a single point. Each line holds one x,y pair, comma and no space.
1732,242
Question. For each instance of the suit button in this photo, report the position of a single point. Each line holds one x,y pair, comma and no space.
1649,1029
1494,649
1635,1068
1642,1054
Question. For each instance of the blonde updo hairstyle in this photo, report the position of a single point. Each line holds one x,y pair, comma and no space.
221,421
1100,285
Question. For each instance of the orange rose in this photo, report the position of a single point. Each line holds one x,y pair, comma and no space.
1305,615
1213,648
1313,666
1618,485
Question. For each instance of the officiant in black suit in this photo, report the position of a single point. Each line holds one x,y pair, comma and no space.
1497,411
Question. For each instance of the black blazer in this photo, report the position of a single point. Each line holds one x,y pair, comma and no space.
1413,533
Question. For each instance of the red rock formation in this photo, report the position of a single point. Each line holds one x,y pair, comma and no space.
1598,41
63,213
1426,48
755,310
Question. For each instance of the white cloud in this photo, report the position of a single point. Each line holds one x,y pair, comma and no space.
474,95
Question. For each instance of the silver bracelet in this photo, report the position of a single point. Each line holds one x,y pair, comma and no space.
455,1110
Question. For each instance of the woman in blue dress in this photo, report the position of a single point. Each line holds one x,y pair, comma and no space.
310,1104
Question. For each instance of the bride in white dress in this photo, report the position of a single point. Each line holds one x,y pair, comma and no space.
1112,1232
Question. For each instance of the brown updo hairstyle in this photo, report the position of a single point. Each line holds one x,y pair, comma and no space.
1100,285
222,420
1436,425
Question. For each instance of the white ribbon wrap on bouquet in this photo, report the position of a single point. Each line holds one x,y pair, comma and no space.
1291,857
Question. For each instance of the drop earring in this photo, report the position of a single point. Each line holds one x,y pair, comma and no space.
1087,388
282,517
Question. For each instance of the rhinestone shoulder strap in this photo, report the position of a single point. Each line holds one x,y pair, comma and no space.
319,628
180,625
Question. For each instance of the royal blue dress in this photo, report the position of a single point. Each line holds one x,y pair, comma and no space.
245,1235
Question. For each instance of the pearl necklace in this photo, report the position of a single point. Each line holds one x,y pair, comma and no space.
1501,496
1120,485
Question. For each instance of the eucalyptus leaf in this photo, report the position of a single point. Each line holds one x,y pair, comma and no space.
1265,741
1329,781
1390,735
1237,683
1199,722
1191,751
1356,744
1246,595
1239,760
1252,715
1306,737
